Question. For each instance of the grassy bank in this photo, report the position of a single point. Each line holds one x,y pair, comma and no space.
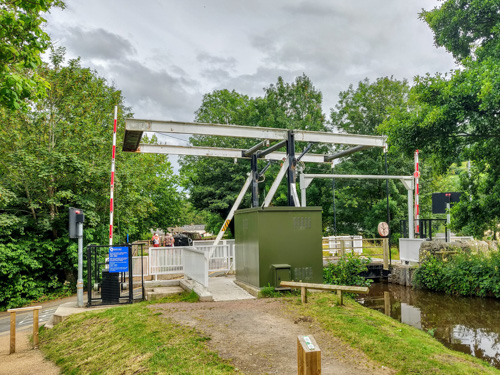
134,339
128,340
393,344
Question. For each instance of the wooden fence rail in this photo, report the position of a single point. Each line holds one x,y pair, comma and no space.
338,288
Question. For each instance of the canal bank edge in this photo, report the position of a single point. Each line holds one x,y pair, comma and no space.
402,274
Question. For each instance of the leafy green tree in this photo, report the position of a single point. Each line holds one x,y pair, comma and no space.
454,117
22,41
57,155
215,183
361,204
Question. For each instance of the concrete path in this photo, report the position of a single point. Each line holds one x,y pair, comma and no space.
224,289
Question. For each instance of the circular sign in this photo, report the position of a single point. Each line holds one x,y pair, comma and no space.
383,229
416,174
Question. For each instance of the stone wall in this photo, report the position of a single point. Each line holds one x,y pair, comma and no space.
402,274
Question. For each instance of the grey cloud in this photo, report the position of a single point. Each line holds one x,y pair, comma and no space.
155,91
216,61
96,43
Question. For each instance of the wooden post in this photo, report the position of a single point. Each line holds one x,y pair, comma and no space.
13,326
387,303
308,356
340,298
303,294
385,244
12,332
342,248
35,328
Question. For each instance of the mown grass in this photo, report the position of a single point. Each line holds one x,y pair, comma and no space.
135,339
391,343
378,252
129,340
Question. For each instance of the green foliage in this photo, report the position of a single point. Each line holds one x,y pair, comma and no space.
454,117
466,274
22,41
346,271
466,28
57,155
213,183
269,292
362,204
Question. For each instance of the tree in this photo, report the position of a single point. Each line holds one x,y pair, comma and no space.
57,155
361,204
466,28
22,41
215,183
454,117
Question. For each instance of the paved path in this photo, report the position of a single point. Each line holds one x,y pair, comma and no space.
24,320
224,289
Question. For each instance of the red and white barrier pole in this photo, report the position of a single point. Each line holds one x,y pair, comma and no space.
417,205
111,203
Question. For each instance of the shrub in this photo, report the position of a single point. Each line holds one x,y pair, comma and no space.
465,273
347,271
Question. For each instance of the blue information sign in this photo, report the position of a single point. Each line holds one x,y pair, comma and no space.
118,259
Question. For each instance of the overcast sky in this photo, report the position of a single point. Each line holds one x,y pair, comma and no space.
164,55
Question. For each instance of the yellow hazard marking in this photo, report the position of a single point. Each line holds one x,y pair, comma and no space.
226,224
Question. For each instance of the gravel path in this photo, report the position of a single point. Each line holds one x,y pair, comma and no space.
25,361
260,337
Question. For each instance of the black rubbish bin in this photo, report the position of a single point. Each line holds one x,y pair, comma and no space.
110,287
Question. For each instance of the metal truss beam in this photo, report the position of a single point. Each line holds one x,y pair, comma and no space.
134,126
345,152
219,152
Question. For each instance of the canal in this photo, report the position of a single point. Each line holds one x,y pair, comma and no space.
467,324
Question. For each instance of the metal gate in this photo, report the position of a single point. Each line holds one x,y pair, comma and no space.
108,276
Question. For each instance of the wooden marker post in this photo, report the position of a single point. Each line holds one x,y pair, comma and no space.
12,332
308,356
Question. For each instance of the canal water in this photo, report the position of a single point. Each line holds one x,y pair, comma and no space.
467,324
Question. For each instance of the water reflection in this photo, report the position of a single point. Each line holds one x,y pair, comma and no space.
469,325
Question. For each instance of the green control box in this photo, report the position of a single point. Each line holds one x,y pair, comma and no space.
276,244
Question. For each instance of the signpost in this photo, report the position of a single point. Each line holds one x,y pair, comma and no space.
76,220
118,259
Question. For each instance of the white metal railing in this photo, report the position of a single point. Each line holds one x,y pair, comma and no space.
165,260
168,260
222,258
195,262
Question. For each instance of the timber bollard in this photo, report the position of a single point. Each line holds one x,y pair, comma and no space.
308,356
13,312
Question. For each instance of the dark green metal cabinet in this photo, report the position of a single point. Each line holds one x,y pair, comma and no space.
269,238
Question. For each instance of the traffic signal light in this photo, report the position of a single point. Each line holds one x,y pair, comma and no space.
75,216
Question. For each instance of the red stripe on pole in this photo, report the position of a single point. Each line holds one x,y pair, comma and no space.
114,151
112,178
110,231
111,205
114,127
